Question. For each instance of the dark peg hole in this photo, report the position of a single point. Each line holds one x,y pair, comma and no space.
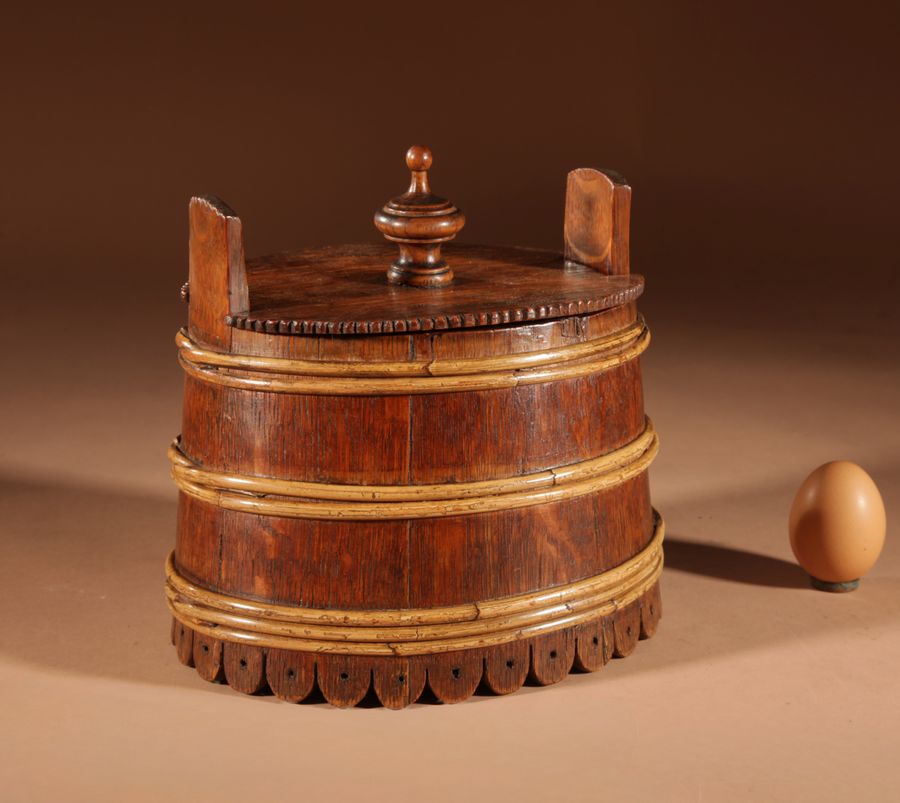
243,663
206,648
345,676
510,663
182,631
291,674
553,653
455,672
628,630
401,678
595,640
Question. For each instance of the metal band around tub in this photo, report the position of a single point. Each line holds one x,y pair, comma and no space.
270,496
280,375
415,631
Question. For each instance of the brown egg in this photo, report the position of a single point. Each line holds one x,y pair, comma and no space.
837,525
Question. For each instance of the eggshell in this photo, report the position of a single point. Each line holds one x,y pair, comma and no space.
837,523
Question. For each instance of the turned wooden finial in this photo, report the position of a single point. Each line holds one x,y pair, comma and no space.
419,222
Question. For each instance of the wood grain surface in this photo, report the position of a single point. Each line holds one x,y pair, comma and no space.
419,222
396,682
342,290
285,440
217,278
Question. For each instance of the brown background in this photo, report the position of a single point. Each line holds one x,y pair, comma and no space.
760,140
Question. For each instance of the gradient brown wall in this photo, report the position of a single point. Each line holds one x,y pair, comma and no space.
759,138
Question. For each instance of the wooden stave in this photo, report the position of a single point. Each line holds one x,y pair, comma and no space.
346,680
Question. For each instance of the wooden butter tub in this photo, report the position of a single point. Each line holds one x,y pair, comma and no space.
385,486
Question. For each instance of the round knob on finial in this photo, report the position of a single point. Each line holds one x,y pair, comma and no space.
419,222
418,158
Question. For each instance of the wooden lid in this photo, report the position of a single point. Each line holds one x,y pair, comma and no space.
342,290
417,280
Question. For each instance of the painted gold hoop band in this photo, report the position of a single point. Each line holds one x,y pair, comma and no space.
279,375
313,500
415,631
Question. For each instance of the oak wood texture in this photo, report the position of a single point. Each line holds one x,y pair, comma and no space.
208,658
217,280
651,612
341,290
411,631
397,682
597,220
343,679
331,315
340,502
378,378
594,642
244,666
505,669
184,643
454,676
611,589
419,222
552,656
291,675
627,628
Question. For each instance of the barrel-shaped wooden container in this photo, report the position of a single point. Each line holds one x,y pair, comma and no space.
386,487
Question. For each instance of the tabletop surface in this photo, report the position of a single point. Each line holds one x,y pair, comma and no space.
754,688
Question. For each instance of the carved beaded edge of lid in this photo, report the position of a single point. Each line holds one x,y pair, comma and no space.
620,290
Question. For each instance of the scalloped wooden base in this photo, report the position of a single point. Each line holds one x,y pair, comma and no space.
345,680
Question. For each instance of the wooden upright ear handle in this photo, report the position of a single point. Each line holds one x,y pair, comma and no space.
598,212
419,222
217,274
